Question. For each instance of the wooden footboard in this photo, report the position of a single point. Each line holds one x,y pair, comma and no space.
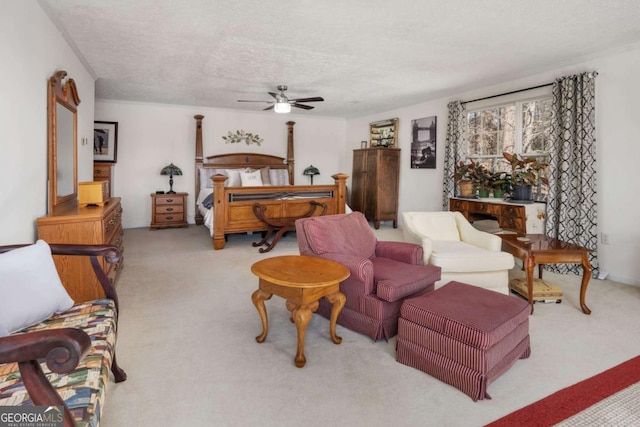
233,206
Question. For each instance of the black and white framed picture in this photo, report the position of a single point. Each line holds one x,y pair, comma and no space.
423,143
105,142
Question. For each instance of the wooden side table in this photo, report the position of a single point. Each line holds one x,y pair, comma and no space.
538,249
168,210
302,281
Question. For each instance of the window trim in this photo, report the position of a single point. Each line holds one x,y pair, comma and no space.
516,99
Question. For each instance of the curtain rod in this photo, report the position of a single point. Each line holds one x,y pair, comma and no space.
508,93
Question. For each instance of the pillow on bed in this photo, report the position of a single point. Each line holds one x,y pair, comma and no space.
279,176
233,178
264,174
208,201
251,179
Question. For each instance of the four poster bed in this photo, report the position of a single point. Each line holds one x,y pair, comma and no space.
232,206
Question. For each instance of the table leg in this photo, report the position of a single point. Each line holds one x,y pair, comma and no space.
338,300
540,267
301,315
586,276
258,298
529,265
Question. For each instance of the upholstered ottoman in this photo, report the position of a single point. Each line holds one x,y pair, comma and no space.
463,335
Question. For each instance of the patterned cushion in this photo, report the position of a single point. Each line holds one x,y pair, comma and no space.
82,389
347,234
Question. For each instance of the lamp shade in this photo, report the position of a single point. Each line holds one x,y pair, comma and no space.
171,170
311,171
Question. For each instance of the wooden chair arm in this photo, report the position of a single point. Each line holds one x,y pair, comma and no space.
62,350
110,253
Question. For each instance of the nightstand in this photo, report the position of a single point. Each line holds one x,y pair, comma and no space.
169,210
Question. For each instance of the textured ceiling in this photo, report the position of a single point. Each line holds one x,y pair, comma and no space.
362,56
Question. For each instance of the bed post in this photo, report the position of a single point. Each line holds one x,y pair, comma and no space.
198,216
341,191
290,156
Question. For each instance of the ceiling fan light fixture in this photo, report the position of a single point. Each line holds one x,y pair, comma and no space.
282,107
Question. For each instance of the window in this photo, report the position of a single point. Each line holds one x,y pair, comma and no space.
519,126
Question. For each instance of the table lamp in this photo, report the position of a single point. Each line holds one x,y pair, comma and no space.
311,171
171,170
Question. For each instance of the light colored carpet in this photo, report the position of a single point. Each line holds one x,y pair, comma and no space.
187,342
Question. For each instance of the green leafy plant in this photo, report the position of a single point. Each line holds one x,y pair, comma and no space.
525,170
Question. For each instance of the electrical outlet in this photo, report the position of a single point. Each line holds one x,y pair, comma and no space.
604,238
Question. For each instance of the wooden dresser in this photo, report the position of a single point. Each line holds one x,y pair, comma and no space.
524,218
375,180
103,172
84,225
169,210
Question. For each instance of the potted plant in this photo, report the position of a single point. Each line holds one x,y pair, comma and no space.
525,173
467,175
499,184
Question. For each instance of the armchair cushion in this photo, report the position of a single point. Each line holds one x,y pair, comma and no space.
30,287
396,280
463,257
345,234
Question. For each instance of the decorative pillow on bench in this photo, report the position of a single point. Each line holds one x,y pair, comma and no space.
30,289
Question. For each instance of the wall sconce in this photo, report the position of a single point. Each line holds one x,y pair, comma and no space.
311,171
171,170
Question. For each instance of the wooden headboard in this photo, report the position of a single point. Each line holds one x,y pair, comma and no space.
240,160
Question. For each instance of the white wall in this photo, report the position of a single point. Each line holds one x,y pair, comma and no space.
32,50
151,136
617,148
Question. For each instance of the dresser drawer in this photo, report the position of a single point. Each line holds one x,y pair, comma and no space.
513,211
513,224
169,200
169,209
484,208
457,205
101,172
169,218
112,223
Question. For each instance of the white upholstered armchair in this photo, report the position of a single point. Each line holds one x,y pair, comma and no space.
463,253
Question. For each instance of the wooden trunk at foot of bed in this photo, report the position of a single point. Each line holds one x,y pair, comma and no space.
233,206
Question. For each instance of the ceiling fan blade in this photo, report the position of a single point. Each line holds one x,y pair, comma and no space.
314,99
305,107
268,108
244,100
275,95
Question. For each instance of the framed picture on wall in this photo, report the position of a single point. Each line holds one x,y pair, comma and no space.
105,142
423,143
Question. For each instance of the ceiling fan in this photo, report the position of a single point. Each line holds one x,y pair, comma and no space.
282,104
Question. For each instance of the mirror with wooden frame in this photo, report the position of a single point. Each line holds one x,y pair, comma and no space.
62,110
384,133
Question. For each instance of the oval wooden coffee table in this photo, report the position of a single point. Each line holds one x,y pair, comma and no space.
301,281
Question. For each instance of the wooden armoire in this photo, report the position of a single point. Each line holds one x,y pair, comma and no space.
375,179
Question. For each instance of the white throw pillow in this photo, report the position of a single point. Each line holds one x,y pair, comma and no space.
30,288
234,178
251,179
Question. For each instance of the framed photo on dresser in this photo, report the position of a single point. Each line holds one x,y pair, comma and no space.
105,141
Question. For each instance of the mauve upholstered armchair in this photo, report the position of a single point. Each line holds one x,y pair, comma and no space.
383,273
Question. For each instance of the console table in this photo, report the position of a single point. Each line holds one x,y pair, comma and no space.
521,217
